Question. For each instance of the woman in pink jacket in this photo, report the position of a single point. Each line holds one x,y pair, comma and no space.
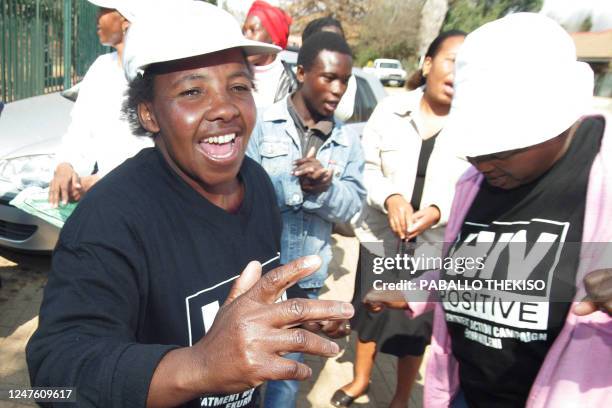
530,231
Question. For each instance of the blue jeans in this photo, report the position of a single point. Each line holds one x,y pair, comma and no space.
459,401
283,394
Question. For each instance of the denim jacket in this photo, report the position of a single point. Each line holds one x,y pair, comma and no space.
308,218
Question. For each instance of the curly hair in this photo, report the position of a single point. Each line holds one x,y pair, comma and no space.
140,90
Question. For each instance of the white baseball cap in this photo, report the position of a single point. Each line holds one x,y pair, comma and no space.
517,84
127,8
173,30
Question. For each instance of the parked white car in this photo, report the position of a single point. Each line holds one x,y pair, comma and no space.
388,71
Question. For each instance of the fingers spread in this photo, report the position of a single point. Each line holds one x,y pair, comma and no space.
294,312
247,279
303,341
272,285
285,369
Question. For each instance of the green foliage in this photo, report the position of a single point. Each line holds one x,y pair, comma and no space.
388,30
467,15
586,25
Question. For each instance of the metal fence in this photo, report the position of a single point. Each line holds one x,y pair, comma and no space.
45,45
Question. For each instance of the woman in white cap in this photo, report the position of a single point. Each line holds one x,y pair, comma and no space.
145,305
534,216
98,138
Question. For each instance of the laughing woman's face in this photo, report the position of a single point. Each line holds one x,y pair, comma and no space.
203,114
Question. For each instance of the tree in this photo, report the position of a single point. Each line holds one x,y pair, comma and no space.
467,15
389,29
349,12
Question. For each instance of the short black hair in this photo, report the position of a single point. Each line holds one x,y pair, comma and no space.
318,24
323,40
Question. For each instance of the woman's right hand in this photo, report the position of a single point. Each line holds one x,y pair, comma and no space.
400,214
65,184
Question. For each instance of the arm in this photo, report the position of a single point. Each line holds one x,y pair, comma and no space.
443,173
379,187
86,337
252,149
76,146
414,302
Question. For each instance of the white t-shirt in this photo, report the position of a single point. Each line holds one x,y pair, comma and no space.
267,78
98,133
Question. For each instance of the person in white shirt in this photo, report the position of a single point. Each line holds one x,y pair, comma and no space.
98,138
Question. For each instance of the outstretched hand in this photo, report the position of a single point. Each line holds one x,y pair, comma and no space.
250,334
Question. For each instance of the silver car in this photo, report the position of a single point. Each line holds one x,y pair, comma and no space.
31,130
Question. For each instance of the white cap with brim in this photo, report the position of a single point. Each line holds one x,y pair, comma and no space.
173,30
517,84
127,8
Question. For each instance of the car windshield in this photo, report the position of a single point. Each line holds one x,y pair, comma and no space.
389,65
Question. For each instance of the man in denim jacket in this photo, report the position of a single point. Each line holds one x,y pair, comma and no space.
315,164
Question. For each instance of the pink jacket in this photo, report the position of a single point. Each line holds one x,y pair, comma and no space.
577,371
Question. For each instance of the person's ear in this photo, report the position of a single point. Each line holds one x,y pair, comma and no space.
299,74
147,119
125,24
426,66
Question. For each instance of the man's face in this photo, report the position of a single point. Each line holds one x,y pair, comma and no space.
513,168
110,26
203,112
325,82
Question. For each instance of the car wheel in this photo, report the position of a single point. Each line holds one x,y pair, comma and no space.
401,84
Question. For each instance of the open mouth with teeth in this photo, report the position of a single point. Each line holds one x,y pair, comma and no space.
220,148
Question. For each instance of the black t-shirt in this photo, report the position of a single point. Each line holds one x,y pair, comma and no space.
142,267
531,233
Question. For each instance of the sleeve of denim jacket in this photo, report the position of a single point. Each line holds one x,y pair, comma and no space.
346,194
252,149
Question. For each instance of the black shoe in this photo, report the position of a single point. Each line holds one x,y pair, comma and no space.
342,399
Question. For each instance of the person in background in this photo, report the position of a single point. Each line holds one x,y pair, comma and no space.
410,174
540,178
273,79
98,138
145,305
315,164
345,108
